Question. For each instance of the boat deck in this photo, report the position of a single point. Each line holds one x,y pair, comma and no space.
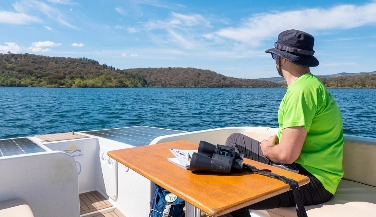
93,204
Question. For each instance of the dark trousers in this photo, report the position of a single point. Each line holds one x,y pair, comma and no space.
311,193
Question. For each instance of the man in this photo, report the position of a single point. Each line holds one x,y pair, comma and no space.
310,137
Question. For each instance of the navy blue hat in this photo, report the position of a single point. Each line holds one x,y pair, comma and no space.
296,47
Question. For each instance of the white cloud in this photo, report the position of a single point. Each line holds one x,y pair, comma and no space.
130,55
182,30
10,47
64,22
25,8
178,21
181,40
63,2
132,30
120,11
17,18
48,28
43,46
78,45
263,26
188,20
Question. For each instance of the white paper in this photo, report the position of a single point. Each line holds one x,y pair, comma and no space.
182,157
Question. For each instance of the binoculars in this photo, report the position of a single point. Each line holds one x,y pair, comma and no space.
216,159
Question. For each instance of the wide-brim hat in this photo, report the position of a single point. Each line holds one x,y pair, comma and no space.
295,46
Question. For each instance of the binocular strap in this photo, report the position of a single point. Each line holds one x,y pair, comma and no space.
300,210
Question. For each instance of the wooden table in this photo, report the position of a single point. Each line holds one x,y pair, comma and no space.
212,193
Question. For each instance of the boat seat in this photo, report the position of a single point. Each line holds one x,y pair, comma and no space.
15,208
351,199
356,193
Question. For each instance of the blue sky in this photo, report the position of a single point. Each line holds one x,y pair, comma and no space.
228,37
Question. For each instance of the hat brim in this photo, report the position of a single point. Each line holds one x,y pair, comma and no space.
307,61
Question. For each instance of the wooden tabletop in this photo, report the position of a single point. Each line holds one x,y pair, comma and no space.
214,194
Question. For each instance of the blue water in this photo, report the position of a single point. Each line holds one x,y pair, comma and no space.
32,111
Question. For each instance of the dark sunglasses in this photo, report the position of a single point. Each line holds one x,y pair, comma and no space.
273,55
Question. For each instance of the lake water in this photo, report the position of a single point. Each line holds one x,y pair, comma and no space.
32,111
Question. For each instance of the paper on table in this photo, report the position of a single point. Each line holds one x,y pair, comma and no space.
182,157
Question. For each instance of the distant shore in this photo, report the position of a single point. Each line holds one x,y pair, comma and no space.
29,70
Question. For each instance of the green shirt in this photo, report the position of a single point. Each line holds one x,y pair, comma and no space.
307,103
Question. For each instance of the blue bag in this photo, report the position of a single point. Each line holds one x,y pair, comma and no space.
166,204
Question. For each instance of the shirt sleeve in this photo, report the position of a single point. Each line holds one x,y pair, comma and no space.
299,108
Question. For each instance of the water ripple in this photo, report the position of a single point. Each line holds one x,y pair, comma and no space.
31,111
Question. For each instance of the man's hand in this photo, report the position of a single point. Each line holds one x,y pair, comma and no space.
271,141
288,149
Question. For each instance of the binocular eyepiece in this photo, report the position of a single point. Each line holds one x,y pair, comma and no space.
216,159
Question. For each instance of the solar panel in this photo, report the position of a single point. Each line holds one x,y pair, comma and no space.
9,147
136,136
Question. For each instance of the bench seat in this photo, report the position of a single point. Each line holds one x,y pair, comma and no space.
356,193
15,208
352,199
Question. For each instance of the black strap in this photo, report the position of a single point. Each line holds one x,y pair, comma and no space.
300,210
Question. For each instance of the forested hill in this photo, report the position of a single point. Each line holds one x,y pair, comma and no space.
43,71
340,80
191,77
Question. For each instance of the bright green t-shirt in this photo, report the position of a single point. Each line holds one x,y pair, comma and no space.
307,103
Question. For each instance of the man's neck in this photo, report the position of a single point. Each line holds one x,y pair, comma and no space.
293,75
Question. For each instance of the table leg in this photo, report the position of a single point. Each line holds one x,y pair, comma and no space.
191,211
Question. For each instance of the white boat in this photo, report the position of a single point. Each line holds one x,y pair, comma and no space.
71,175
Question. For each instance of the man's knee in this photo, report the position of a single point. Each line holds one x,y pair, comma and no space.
235,139
249,147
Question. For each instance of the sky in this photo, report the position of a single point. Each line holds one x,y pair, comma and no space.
226,36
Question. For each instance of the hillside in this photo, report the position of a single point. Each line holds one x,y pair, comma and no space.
340,80
350,80
42,71
31,70
191,77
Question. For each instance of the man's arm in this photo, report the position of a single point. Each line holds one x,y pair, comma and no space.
287,150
